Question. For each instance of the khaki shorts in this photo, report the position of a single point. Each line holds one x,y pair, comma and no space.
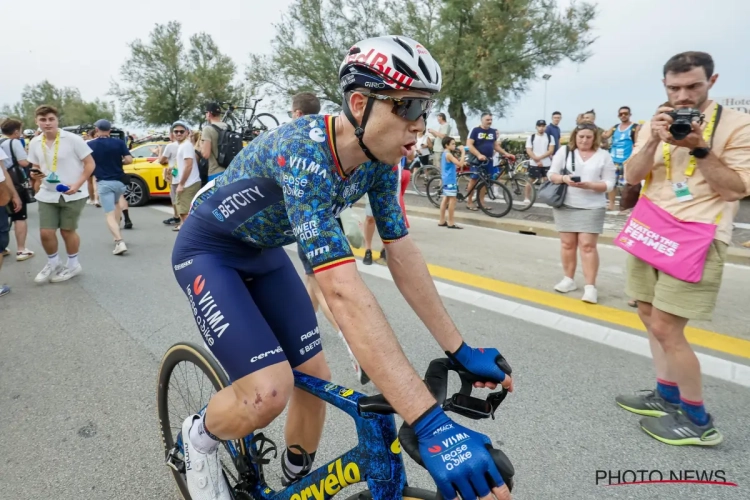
61,215
686,300
185,198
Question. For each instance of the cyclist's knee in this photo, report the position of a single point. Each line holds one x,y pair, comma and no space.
263,395
316,367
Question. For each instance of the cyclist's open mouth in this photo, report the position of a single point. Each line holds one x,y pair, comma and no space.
405,148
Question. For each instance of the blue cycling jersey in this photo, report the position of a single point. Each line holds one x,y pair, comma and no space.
288,185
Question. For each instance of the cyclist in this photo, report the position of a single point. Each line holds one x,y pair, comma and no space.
253,312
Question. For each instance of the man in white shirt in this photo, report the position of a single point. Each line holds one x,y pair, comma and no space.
443,130
7,192
540,147
63,162
168,158
189,182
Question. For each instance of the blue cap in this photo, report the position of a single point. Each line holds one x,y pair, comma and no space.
180,123
103,125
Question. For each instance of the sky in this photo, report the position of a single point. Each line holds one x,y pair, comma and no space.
85,45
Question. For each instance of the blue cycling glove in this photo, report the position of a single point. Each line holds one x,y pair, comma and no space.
480,362
455,457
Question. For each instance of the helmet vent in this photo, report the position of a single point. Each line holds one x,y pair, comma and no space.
401,67
425,72
404,45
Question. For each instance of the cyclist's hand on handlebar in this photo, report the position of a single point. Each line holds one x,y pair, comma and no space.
511,157
457,458
482,363
482,158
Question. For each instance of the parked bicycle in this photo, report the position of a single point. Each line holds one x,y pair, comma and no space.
421,173
376,460
514,174
497,202
252,127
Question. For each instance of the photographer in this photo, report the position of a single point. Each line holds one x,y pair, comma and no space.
695,159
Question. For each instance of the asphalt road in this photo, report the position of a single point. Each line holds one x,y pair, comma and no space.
79,359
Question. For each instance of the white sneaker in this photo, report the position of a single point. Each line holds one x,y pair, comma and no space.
66,274
46,272
24,254
590,294
566,285
527,201
205,480
120,248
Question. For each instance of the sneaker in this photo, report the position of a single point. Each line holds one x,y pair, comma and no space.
382,254
647,403
128,225
527,201
66,274
24,254
203,473
6,252
46,272
171,221
4,290
590,294
368,258
120,248
566,285
678,430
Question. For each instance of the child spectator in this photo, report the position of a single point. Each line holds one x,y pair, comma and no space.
448,164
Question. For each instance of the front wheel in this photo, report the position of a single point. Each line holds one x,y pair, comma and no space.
518,187
497,201
434,190
409,494
262,122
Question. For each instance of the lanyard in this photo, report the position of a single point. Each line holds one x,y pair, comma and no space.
53,168
708,134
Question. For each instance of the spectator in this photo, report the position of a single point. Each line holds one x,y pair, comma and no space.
448,166
109,156
540,147
210,141
8,197
17,161
553,129
304,103
443,131
623,138
482,143
65,162
589,173
187,170
168,158
696,179
91,182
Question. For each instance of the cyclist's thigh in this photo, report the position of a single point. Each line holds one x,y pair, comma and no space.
283,301
230,323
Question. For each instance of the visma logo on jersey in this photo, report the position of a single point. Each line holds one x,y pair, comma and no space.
235,201
206,312
307,165
334,482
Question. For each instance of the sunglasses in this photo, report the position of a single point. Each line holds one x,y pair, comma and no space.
289,114
624,113
179,131
587,126
408,108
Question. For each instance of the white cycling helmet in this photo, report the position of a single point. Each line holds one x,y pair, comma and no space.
389,63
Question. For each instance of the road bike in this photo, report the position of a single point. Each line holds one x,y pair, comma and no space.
497,202
421,173
250,128
376,460
514,174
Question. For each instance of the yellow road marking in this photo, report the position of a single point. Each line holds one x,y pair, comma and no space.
696,336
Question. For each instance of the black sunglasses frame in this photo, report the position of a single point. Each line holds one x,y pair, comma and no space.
404,107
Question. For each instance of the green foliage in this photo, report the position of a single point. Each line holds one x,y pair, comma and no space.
163,81
72,108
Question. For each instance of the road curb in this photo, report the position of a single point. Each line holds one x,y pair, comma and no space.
735,255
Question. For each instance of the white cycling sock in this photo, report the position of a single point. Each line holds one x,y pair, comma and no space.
202,440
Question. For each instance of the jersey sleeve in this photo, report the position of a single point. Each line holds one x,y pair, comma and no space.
306,179
385,205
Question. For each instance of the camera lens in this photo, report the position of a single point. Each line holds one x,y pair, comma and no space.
680,130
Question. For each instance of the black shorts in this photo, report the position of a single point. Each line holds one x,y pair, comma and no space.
538,172
20,215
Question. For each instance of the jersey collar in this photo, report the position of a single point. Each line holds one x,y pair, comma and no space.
331,134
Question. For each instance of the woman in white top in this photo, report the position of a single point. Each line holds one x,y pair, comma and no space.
590,175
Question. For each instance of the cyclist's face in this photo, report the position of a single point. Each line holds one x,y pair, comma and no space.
387,135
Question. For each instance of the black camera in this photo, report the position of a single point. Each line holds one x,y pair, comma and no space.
683,122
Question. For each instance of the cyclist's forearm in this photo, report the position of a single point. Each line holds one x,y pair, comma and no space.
374,344
413,280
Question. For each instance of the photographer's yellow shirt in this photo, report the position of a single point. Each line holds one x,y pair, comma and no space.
731,144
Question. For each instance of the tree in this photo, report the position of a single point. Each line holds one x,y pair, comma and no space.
311,41
72,108
164,82
491,50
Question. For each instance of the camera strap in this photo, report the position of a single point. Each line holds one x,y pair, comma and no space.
708,136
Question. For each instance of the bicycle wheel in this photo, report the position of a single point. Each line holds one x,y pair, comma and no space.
262,122
517,187
180,372
420,178
497,201
434,190
409,494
